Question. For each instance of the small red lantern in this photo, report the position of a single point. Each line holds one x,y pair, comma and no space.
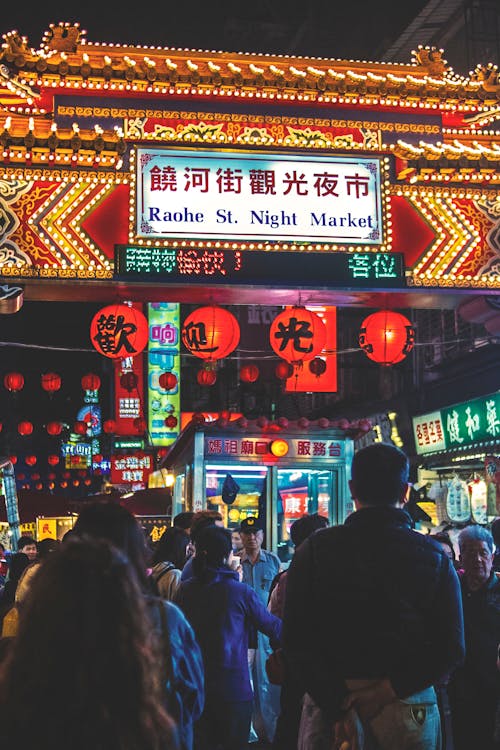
53,460
13,381
30,460
80,427
51,382
317,366
206,377
303,423
198,418
210,333
87,482
249,373
283,422
139,424
38,486
119,331
283,370
13,460
91,382
128,381
262,421
167,381
109,426
35,476
25,428
171,421
54,428
386,337
63,484
297,334
51,475
97,458
76,482
323,422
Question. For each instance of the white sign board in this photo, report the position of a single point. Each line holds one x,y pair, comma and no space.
237,196
428,432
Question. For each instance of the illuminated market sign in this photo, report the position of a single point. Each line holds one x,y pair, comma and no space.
282,268
251,447
240,196
472,423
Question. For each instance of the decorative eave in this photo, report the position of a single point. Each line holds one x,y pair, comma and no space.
448,162
67,60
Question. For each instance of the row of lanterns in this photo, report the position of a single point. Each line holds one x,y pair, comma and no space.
50,381
296,335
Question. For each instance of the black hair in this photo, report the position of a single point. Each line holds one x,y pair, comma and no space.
23,542
379,474
304,526
444,538
183,520
46,546
171,547
201,520
213,547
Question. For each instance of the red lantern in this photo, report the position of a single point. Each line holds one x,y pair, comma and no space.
54,428
30,460
210,333
109,426
53,460
80,427
51,382
167,381
283,370
91,382
303,423
206,377
386,337
38,486
139,424
119,331
297,334
63,485
198,418
171,421
249,373
35,476
317,366
13,460
25,428
128,381
13,381
51,475
97,458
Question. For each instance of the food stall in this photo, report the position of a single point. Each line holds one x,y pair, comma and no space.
274,470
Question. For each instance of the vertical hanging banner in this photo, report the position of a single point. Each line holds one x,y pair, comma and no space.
129,398
163,356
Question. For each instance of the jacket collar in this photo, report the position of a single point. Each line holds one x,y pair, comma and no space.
383,515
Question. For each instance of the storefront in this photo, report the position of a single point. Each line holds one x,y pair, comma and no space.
278,473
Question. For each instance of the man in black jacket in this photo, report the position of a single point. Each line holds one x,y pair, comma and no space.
373,616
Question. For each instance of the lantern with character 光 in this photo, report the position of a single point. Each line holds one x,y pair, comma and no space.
297,335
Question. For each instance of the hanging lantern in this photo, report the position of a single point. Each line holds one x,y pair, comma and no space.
249,373
210,333
38,486
13,381
25,428
91,382
317,366
128,381
167,381
297,334
171,421
98,458
139,424
53,460
35,476
386,337
30,460
13,460
119,331
80,427
51,475
109,426
283,370
206,377
54,428
51,382
63,484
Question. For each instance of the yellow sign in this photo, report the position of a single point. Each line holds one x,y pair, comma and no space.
46,528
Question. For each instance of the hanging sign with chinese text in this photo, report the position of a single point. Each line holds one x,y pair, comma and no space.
243,196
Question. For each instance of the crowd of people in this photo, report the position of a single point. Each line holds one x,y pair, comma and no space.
376,637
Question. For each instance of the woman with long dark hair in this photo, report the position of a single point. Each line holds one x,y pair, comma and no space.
83,670
169,558
223,611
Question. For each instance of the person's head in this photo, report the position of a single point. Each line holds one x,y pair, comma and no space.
495,531
46,546
213,550
446,544
172,547
252,534
183,520
201,520
304,526
236,541
85,602
18,563
27,545
379,475
477,550
119,526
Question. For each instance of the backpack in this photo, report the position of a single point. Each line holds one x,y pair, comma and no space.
160,569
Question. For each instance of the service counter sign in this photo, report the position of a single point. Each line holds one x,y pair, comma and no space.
464,425
260,448
241,196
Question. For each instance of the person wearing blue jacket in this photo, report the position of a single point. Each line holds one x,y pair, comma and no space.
223,613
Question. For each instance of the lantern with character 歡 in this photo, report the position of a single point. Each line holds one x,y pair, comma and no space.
119,331
297,335
386,337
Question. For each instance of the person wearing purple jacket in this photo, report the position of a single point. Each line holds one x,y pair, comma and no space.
223,613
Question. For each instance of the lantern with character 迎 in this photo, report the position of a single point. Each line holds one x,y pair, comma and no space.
210,333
